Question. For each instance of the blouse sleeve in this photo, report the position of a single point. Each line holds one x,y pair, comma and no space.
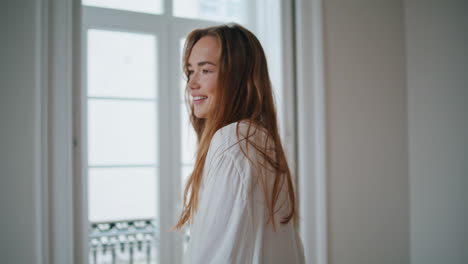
223,224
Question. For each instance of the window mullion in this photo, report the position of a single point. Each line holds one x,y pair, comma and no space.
121,20
174,78
166,149
168,7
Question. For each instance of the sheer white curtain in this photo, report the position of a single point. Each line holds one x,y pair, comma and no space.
304,18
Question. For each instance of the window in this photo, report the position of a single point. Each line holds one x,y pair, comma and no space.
140,145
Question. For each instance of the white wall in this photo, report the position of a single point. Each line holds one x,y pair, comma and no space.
17,133
437,55
368,191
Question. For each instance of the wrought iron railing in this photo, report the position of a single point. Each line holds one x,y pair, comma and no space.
131,241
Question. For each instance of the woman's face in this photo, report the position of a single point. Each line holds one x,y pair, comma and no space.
203,69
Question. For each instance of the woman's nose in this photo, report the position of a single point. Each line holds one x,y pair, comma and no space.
193,82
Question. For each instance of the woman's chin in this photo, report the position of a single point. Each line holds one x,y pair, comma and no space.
200,115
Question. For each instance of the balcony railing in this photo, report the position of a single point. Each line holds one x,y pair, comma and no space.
130,242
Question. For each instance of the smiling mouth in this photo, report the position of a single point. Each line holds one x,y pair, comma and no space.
199,98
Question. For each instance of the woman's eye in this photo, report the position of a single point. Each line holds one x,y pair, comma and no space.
190,72
206,71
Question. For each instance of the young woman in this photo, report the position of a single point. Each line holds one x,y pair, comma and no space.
240,198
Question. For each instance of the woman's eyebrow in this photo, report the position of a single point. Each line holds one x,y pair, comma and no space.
201,63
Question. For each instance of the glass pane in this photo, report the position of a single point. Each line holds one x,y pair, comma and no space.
186,171
183,84
216,10
183,78
121,64
144,6
122,194
189,138
121,132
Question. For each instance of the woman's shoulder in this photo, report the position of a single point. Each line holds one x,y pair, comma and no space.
232,138
236,132
224,138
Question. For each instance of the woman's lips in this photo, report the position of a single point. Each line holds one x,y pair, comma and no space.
199,99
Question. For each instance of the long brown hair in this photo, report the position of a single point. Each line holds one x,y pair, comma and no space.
244,94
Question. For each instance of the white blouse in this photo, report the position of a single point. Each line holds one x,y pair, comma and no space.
230,224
